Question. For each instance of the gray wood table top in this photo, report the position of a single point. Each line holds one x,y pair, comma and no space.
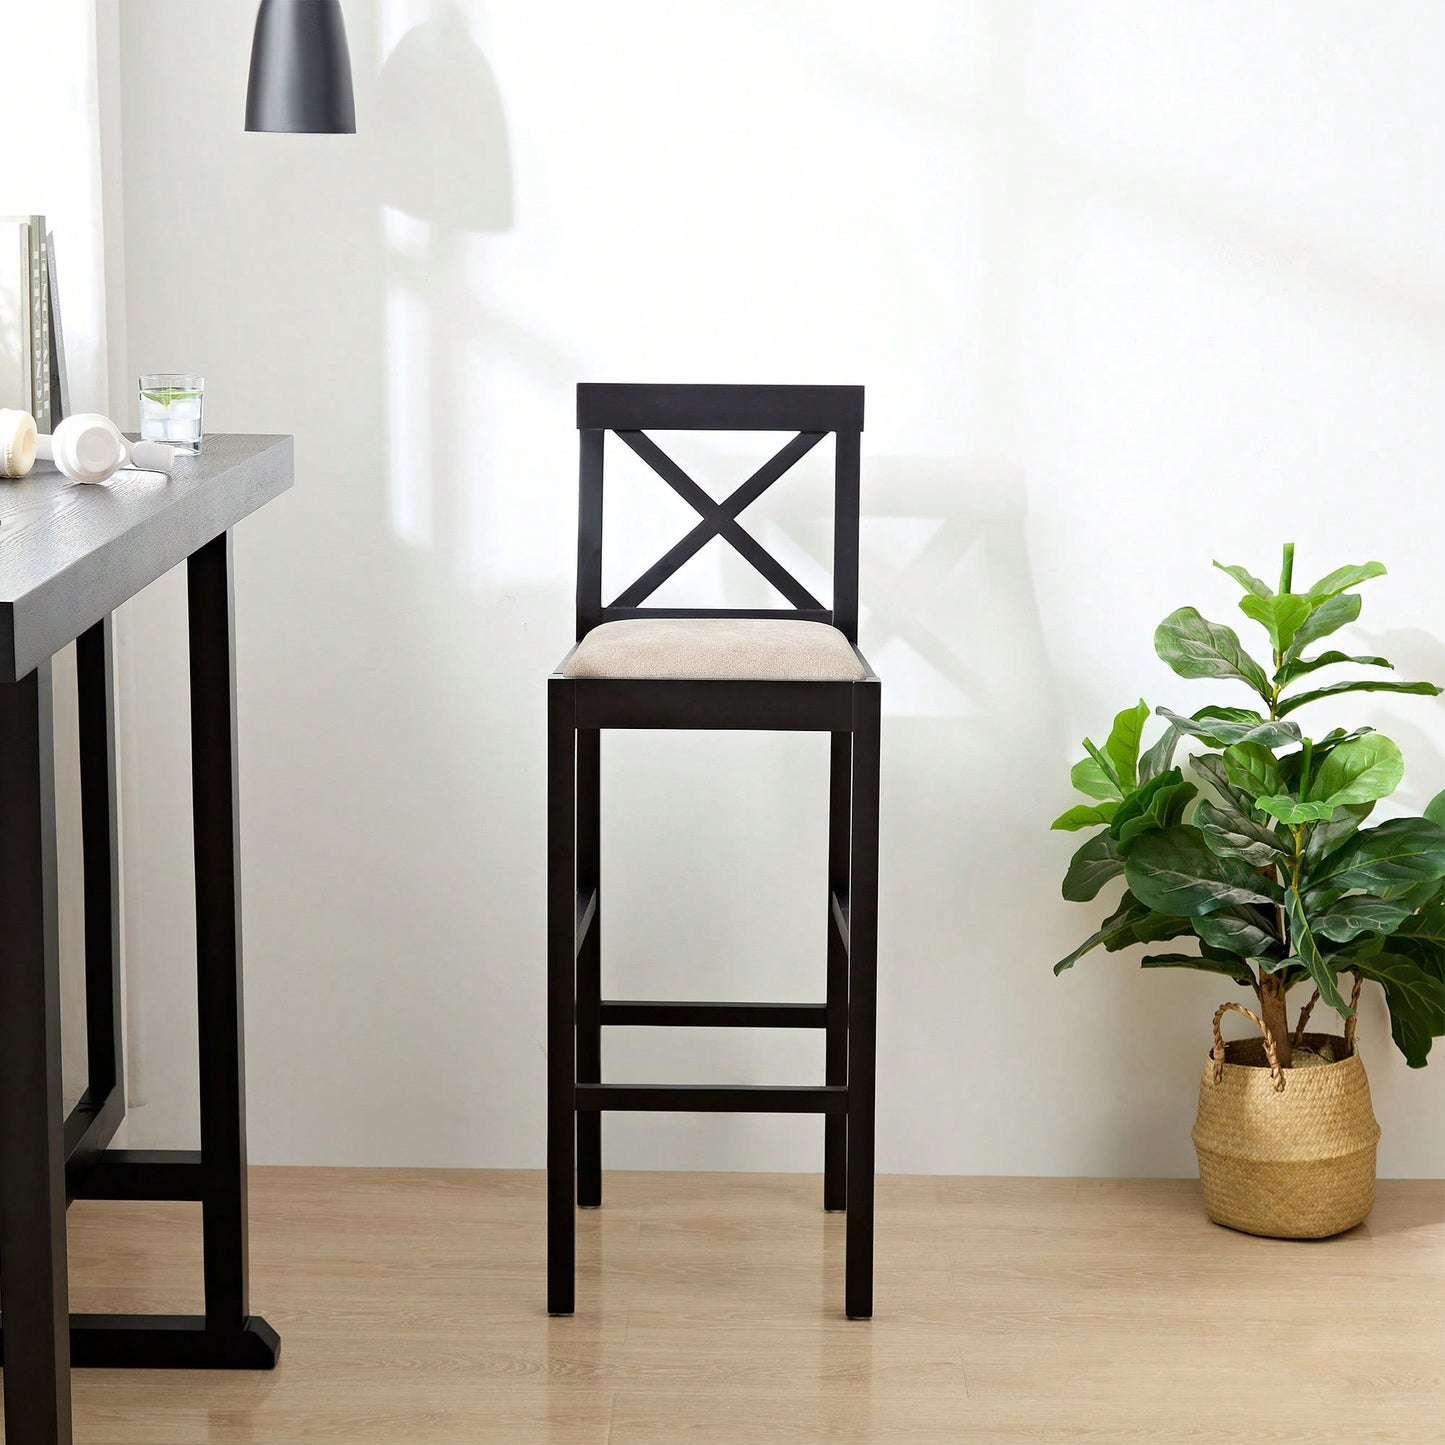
71,552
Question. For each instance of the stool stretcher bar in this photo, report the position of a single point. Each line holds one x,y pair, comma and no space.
714,1098
652,1013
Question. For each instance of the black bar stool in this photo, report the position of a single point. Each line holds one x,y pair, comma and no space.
789,669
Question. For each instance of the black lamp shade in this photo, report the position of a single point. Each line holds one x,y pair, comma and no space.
300,69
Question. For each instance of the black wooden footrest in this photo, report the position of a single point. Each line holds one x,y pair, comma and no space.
149,1174
714,1099
167,1342
650,1013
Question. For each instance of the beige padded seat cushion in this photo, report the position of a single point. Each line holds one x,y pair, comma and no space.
736,648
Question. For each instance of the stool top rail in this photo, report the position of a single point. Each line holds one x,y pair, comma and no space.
624,406
632,411
70,553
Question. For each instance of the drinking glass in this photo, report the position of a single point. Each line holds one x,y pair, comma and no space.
170,409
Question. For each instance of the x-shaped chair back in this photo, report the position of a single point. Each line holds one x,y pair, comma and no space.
810,411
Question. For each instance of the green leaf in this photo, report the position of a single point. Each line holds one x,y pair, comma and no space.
1302,665
1122,745
1091,868
1364,684
1120,922
1230,968
1280,616
1089,778
1081,815
1391,858
1105,762
165,395
1347,918
1367,945
1416,1000
1173,871
1210,767
1221,727
1361,771
1105,770
1341,579
1302,939
1328,617
1334,738
1233,834
1159,803
1288,809
1435,809
1151,928
1292,764
1196,647
1253,769
1429,958
1427,926
1228,714
1160,757
1240,930
1329,835
1417,896
1249,582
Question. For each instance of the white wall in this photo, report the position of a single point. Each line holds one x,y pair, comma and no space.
50,165
1131,287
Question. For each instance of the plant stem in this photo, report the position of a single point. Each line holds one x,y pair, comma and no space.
1276,1017
1286,578
1304,1017
1271,990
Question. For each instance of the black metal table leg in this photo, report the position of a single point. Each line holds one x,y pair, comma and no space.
589,961
36,1346
228,1324
561,996
835,1127
95,700
97,1115
862,1001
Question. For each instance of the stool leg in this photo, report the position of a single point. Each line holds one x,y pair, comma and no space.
589,964
835,1127
561,996
862,1000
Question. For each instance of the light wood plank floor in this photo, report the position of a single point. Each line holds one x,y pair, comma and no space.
709,1309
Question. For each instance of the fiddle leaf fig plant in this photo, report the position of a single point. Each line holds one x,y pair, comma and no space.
1255,846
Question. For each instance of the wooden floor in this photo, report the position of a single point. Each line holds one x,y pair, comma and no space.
410,1305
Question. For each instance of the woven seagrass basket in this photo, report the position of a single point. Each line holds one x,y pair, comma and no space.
1288,1153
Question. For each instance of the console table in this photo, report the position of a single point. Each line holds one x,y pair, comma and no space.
70,554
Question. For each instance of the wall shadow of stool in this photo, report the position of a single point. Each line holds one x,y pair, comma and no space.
795,669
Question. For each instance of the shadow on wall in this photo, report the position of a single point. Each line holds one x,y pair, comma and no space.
951,622
377,828
443,154
1418,656
444,173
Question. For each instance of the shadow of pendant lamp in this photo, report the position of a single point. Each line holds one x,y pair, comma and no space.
300,69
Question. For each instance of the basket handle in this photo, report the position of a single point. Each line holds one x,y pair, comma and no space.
1217,1053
